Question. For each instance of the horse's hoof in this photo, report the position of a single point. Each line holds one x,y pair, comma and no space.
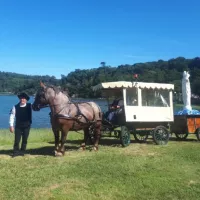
81,149
58,154
95,148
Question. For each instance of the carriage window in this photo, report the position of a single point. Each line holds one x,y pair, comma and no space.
131,97
155,98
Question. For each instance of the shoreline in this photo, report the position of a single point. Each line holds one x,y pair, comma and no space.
6,93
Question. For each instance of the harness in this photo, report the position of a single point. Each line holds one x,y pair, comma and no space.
78,116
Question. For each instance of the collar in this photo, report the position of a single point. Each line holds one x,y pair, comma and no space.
22,105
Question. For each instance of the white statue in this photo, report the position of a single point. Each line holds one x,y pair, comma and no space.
186,91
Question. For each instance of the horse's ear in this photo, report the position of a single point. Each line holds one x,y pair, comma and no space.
42,84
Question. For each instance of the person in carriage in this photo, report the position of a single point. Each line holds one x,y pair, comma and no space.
114,109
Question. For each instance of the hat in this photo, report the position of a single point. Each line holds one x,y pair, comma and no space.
23,95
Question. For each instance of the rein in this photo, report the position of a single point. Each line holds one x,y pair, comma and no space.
44,106
61,107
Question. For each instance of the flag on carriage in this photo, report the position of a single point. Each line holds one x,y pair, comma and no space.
135,76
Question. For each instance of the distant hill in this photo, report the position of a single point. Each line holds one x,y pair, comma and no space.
79,82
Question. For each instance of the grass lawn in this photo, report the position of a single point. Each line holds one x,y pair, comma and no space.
139,171
180,107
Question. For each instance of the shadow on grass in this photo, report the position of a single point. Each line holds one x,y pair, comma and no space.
49,150
108,141
39,151
184,140
6,152
44,151
73,145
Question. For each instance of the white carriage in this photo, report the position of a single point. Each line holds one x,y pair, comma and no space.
148,109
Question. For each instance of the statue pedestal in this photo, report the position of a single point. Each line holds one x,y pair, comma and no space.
187,112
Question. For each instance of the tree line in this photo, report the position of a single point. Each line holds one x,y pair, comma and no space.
15,83
79,82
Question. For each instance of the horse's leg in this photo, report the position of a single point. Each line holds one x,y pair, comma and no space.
86,136
56,135
97,135
63,139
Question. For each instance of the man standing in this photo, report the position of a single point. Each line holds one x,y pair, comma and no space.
21,114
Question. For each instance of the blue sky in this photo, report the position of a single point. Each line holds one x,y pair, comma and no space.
54,37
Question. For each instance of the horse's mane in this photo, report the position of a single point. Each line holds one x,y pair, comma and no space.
55,88
58,89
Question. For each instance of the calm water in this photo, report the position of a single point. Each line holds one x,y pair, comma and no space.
40,119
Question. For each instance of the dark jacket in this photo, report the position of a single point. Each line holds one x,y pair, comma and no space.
23,115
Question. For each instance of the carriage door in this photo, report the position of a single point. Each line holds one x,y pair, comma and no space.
131,103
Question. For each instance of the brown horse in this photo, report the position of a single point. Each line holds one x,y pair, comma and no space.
69,116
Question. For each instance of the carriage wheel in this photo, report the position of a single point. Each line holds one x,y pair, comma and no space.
160,135
125,136
181,136
141,136
197,132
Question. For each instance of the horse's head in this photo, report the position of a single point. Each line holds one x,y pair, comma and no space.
41,100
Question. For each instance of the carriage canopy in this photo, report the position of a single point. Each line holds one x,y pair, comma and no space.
126,84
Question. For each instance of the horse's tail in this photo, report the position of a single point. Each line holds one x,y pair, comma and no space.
100,112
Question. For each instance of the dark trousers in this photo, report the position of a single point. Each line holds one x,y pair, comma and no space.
21,133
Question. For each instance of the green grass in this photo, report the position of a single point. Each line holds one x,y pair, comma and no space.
180,107
139,171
